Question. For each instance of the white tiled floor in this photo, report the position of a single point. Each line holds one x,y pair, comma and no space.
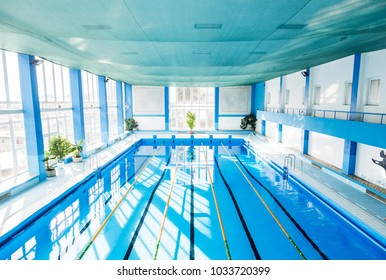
17,208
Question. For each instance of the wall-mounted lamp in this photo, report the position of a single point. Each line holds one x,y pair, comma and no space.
305,73
106,80
37,62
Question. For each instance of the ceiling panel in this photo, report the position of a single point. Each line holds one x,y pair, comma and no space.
197,42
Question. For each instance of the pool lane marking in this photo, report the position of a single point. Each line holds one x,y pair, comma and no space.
313,244
116,206
139,226
267,207
242,220
167,206
218,210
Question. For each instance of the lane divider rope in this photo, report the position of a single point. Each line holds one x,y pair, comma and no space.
116,206
267,207
217,209
167,206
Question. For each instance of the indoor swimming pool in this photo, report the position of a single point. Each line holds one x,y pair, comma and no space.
191,199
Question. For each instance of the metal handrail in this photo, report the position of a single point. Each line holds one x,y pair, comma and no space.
267,207
333,114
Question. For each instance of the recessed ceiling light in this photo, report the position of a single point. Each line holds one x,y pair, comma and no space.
201,52
208,26
291,26
254,52
129,53
96,26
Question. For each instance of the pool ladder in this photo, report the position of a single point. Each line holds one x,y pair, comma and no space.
289,162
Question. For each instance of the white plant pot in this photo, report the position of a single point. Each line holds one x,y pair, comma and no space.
51,173
76,159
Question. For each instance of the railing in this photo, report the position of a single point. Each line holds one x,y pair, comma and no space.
378,118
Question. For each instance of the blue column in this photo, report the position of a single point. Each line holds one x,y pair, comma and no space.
305,140
258,97
103,110
166,100
128,101
216,106
263,127
121,128
32,118
281,95
307,93
306,133
77,106
280,133
350,147
355,86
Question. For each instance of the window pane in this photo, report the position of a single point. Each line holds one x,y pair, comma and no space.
13,77
348,93
373,97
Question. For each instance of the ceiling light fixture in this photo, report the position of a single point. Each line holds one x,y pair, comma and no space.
208,26
37,62
305,73
96,26
291,26
201,52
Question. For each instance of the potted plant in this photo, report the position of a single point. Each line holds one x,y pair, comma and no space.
77,149
131,124
249,120
59,147
191,121
50,171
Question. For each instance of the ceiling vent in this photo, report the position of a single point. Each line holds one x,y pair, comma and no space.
291,26
255,52
208,26
201,52
96,26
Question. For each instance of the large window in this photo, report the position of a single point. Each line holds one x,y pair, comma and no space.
13,155
111,93
199,100
55,100
92,123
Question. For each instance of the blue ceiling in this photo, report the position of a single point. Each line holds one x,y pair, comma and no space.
192,43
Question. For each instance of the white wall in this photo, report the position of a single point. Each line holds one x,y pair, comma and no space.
272,92
149,107
332,78
326,148
373,66
271,130
295,84
366,169
233,101
292,137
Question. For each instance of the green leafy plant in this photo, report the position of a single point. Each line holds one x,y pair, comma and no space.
77,148
191,120
59,147
249,120
131,124
47,158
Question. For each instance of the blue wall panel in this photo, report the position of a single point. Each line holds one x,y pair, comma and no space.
367,133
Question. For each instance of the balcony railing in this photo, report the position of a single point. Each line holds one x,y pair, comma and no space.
378,118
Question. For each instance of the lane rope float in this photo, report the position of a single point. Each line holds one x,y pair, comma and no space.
267,207
116,206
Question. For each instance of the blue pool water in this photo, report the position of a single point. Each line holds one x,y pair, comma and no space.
190,201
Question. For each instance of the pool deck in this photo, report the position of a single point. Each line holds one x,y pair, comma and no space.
339,189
